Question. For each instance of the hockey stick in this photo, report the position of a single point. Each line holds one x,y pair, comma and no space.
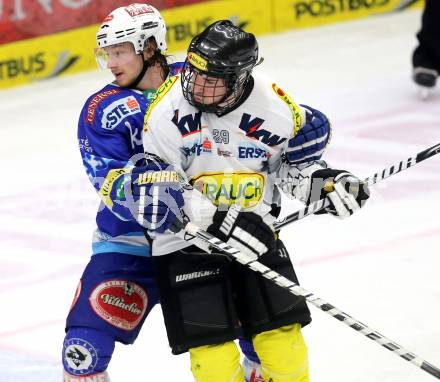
297,290
379,176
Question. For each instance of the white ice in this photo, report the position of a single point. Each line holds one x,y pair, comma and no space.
381,266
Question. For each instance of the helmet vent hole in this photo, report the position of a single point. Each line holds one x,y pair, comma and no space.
149,25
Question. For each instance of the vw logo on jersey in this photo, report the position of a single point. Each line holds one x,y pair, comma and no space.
114,113
252,128
187,124
79,356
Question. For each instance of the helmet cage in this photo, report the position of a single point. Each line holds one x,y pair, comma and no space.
222,51
234,78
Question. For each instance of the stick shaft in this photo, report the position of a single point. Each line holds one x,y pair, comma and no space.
373,179
311,298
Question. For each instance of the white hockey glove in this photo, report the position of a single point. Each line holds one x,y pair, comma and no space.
245,231
346,192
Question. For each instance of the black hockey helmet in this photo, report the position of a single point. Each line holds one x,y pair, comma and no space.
224,52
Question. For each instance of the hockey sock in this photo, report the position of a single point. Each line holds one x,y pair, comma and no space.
100,377
216,363
252,370
283,354
86,355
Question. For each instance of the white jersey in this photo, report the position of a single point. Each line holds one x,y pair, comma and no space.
229,159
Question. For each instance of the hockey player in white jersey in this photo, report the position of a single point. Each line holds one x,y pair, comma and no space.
237,139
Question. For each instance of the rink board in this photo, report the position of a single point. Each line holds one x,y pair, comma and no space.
71,51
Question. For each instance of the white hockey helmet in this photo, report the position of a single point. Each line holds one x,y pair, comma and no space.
135,23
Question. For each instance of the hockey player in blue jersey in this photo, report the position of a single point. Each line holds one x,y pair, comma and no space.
117,290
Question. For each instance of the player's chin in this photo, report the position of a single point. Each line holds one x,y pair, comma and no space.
123,80
204,100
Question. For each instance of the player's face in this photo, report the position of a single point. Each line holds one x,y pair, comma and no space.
122,61
208,90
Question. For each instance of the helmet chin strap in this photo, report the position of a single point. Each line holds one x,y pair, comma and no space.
145,66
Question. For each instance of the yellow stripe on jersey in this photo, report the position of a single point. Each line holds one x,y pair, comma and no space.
107,186
294,108
160,93
244,189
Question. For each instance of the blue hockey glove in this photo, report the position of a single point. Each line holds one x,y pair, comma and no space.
346,192
157,196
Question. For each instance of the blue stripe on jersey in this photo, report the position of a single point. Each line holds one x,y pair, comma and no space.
108,246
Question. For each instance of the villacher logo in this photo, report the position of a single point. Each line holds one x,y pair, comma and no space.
120,303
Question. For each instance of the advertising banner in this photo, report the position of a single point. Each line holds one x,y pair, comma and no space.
72,51
186,22
23,19
291,14
47,56
59,35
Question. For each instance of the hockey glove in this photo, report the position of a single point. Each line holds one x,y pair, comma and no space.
346,192
156,195
245,231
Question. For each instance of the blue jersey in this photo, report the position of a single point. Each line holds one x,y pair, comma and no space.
109,135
